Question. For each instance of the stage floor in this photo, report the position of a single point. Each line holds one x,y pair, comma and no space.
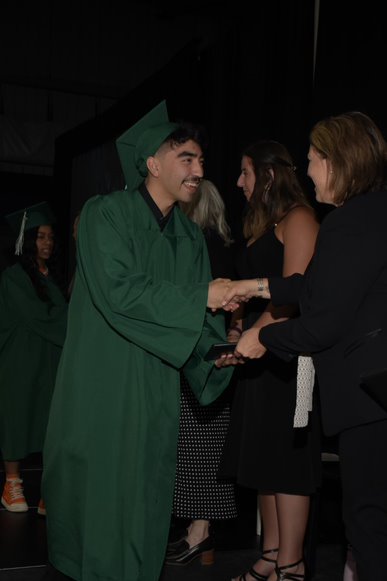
23,554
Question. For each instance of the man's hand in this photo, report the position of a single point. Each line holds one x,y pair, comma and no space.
243,290
249,345
216,292
228,359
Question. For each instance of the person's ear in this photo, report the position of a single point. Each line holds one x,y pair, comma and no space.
153,166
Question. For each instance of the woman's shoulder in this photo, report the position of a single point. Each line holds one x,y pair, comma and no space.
365,211
15,277
15,271
299,212
298,217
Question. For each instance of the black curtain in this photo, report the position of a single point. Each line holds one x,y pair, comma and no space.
351,60
247,78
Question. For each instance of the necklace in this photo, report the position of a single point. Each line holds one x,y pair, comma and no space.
44,271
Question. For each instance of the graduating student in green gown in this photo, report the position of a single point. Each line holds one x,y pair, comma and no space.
33,314
140,312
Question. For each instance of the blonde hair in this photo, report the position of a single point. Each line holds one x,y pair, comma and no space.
208,210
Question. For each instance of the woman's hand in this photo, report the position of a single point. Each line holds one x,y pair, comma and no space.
249,346
240,291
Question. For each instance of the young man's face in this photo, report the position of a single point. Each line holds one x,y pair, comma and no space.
179,170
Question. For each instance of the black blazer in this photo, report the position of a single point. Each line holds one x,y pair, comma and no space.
343,305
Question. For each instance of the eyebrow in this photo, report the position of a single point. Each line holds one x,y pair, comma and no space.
189,154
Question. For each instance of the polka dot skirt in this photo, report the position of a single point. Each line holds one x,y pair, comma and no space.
199,494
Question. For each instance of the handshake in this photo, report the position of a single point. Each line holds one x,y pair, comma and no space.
227,294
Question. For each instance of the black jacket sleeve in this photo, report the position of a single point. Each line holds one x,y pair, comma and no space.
350,256
286,290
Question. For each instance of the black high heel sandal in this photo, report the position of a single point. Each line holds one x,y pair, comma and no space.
282,575
253,573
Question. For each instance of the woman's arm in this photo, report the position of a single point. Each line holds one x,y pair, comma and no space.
236,325
350,257
298,234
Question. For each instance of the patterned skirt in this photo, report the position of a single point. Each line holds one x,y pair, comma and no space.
199,493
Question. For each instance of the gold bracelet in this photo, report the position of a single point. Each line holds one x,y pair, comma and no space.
261,285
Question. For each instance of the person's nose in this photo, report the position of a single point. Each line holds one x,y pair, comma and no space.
198,169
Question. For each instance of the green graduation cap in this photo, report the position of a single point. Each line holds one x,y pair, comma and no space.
37,215
141,141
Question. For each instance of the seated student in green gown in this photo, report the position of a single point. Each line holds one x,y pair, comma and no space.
33,314
140,312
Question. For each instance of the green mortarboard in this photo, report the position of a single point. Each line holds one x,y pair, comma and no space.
141,141
32,217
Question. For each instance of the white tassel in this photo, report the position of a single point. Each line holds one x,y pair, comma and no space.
20,238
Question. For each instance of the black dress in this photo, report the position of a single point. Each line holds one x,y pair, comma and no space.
199,492
262,449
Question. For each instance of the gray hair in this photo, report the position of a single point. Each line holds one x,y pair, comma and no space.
207,210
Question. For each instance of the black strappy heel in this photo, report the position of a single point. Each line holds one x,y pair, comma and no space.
282,575
253,573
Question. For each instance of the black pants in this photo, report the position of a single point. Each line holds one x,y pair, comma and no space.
363,465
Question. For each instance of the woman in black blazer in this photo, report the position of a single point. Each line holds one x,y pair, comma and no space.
343,322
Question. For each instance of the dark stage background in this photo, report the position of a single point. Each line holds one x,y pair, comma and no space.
75,75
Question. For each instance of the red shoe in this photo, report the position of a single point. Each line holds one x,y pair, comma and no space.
13,497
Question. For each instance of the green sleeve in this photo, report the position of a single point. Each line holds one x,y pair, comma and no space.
205,379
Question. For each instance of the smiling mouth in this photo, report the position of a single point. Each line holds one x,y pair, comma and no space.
192,183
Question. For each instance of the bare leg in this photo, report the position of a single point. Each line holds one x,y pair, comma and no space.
12,468
198,530
293,513
268,512
350,567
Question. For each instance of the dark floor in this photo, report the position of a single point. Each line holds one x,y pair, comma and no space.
23,553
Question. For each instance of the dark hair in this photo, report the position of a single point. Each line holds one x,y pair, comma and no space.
276,189
356,152
187,131
29,263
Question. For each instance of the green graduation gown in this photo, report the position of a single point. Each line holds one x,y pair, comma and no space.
31,336
137,316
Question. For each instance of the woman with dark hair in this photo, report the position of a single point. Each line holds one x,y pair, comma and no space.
32,330
272,445
343,321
